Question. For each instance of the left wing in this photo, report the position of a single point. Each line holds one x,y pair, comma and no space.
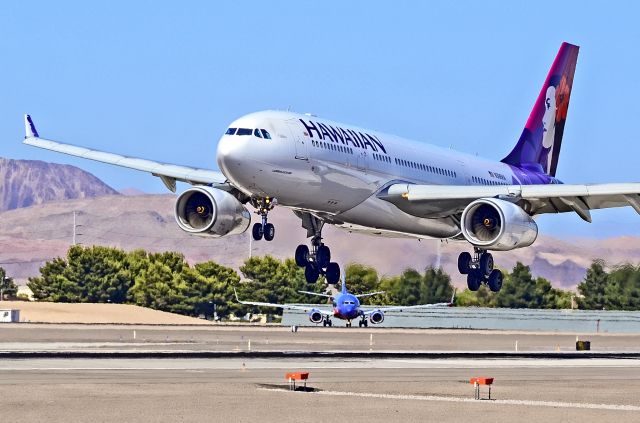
168,173
369,294
307,309
552,198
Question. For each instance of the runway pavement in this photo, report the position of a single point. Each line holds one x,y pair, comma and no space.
357,390
354,389
56,337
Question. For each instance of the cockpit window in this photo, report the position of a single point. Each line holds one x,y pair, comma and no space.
230,131
265,134
257,133
244,131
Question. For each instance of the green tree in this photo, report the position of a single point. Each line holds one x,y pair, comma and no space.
518,290
8,288
436,286
220,282
412,288
274,281
360,280
483,297
592,288
622,291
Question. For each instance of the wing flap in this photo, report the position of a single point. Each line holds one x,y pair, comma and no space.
552,198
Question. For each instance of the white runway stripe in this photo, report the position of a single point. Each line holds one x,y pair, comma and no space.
553,404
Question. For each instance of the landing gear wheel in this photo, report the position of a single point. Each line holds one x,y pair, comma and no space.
360,323
269,232
495,280
327,322
311,273
486,264
302,255
332,273
464,263
323,256
324,323
257,231
348,324
473,281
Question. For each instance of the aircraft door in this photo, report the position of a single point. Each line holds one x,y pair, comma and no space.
464,175
300,142
361,160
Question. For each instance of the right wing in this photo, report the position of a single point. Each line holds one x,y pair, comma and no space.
168,173
552,198
284,306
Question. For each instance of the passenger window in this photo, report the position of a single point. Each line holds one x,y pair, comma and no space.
265,134
244,131
257,133
230,131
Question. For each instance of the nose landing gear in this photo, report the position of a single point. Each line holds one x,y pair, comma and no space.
479,270
263,229
316,261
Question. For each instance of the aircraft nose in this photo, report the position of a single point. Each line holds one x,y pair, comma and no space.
229,154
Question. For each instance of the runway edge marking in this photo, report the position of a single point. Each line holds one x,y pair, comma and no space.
552,404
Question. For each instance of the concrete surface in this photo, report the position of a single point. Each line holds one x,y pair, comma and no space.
36,337
354,389
359,390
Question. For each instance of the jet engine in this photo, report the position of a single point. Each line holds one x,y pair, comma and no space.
315,316
376,317
495,224
207,211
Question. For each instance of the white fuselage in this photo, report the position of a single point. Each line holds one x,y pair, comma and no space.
336,171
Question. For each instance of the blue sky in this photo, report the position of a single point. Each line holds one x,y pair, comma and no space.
162,80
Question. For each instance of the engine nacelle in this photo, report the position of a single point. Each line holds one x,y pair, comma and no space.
495,224
315,316
207,211
376,317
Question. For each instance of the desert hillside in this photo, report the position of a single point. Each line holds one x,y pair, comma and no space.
27,182
30,236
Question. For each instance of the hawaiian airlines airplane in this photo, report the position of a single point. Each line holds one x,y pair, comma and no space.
345,306
365,181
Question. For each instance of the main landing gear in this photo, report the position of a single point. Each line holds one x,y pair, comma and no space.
326,322
479,270
316,261
263,229
363,322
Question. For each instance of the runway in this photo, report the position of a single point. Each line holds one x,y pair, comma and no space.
359,390
354,389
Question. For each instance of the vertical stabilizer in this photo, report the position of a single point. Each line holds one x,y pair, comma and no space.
539,145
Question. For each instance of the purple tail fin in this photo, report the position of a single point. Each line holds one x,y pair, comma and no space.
539,145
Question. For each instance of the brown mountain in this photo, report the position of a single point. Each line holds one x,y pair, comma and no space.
30,236
27,182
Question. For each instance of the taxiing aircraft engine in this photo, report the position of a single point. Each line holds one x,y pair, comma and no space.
376,317
211,212
315,316
494,224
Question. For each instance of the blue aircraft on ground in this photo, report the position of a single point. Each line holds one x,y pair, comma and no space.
345,306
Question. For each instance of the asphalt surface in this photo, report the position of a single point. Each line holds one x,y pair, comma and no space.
42,337
358,389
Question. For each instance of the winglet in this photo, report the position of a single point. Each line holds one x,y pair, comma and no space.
236,294
452,303
29,128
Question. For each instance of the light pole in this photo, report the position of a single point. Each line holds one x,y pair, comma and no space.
75,227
